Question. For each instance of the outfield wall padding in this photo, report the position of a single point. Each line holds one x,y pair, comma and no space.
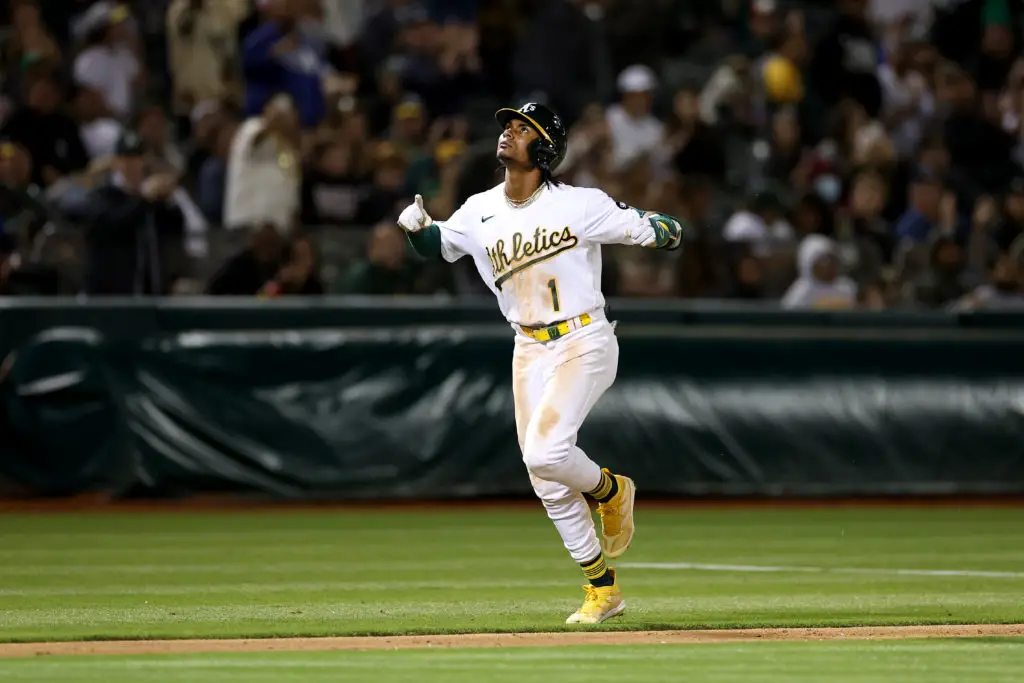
344,400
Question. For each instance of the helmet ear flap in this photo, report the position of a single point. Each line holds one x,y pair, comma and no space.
542,153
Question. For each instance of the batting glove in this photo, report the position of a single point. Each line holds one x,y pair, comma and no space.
660,231
414,217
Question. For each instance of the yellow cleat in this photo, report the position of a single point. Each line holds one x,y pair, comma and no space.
602,602
617,518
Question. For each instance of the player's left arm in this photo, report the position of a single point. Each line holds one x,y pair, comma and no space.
612,222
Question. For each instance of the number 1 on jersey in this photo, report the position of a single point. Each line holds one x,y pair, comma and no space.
553,286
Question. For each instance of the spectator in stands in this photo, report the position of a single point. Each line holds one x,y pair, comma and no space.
867,229
249,271
588,155
871,295
264,169
726,96
408,131
276,58
820,284
202,42
747,275
387,267
441,65
929,211
204,124
387,193
781,78
213,175
134,230
442,177
942,283
380,34
635,130
109,62
845,61
332,190
99,131
163,154
761,223
781,155
389,95
339,23
979,148
1009,226
15,166
981,249
50,136
763,26
346,124
298,274
561,57
31,49
7,250
405,114
907,101
696,147
1002,292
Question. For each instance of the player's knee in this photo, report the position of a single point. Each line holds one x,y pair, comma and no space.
545,459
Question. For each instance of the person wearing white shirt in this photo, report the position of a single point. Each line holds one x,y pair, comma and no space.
635,131
100,133
761,224
109,63
821,284
264,175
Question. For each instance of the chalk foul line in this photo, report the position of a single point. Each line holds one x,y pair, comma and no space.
760,568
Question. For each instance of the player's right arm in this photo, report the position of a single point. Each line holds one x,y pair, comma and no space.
612,222
433,239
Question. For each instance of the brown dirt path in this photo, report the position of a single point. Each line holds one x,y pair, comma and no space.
146,647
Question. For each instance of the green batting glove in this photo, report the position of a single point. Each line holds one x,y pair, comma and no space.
668,231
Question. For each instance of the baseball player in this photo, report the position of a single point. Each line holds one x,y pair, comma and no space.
536,243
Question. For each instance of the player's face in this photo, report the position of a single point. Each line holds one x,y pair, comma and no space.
513,142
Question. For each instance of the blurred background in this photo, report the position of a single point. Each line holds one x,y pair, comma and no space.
848,154
205,288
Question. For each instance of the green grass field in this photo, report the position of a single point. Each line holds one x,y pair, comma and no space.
104,576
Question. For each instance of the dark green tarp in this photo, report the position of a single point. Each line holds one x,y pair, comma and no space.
300,410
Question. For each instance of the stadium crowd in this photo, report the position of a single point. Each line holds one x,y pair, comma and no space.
857,153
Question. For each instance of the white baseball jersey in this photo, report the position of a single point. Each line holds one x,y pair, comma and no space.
542,260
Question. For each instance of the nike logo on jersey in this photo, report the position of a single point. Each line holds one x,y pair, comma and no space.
484,219
528,253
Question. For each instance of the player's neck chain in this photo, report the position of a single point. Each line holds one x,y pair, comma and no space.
522,204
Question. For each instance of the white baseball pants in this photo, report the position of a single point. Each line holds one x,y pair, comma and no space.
555,384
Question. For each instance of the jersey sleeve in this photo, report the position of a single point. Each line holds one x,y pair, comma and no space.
455,237
610,222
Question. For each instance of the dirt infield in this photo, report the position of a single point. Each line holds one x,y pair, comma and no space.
148,647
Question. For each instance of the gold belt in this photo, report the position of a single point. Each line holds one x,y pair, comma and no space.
557,330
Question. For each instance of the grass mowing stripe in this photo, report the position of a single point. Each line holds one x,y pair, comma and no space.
754,568
272,587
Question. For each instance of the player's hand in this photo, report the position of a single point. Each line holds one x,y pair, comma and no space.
414,217
660,231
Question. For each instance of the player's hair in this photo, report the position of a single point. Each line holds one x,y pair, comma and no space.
548,178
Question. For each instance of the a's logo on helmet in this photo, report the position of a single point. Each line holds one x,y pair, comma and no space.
527,108
556,121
